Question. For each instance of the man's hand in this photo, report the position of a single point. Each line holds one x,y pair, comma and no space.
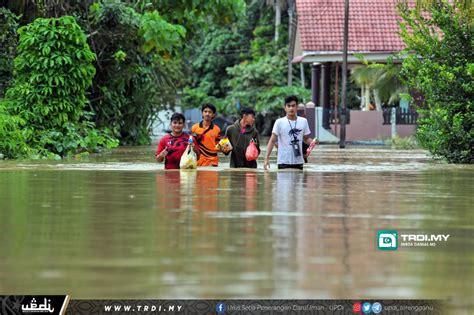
226,149
266,164
163,153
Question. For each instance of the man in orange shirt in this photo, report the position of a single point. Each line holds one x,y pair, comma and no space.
207,135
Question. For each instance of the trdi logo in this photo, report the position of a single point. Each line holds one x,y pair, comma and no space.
387,240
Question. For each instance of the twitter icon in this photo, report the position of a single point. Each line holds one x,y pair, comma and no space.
366,308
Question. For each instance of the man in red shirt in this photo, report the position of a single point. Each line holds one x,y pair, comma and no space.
172,146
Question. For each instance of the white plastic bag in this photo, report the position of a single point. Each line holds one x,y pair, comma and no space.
189,158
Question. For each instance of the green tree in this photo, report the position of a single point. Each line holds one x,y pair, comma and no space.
53,69
380,79
8,42
464,7
242,64
138,44
262,83
442,69
136,75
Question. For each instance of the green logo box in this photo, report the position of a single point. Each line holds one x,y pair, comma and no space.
387,240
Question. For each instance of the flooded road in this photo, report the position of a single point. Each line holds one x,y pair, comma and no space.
119,226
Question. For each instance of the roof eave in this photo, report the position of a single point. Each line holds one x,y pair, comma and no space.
333,56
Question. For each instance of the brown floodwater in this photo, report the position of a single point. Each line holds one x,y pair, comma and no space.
118,226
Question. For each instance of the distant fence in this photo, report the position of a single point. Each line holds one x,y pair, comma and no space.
403,116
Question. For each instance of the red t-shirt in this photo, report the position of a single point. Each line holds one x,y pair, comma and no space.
176,147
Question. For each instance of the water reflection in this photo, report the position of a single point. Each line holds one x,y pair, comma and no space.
221,233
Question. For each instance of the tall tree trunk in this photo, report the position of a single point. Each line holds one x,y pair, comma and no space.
367,97
277,18
378,101
290,38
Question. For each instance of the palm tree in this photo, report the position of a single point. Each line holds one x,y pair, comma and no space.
381,81
387,85
364,77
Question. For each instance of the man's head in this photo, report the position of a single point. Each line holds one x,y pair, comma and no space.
248,116
291,105
177,123
208,112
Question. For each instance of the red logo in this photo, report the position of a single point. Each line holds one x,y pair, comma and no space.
357,307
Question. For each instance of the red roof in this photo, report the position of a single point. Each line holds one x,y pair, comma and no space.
373,25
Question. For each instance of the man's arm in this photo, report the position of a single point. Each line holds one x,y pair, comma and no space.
161,152
161,157
307,139
271,144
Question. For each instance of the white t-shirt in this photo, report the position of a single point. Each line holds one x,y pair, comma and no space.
282,128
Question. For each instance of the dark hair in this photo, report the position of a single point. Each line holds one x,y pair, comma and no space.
177,117
247,111
210,106
290,99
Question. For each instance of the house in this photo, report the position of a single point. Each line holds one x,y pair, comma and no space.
317,40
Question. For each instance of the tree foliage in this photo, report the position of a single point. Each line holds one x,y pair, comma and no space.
380,79
262,83
442,69
8,42
133,78
138,46
139,63
53,69
242,65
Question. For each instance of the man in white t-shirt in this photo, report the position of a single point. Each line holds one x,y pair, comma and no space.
290,132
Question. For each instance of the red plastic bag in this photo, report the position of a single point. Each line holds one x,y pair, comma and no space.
251,153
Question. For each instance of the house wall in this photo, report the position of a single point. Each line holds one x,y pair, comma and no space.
368,125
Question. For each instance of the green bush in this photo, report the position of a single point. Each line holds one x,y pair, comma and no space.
12,135
8,42
442,69
53,69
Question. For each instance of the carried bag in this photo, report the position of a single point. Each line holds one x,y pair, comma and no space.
189,158
224,145
311,147
251,153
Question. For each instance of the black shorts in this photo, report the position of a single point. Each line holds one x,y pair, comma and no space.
296,166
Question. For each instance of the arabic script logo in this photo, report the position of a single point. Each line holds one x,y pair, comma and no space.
38,308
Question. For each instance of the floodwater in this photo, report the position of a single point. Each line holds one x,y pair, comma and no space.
118,226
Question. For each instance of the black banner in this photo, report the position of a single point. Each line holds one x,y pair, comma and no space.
61,305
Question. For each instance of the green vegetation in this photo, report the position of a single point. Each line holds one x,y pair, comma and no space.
140,60
243,64
112,70
442,70
407,143
382,80
115,64
43,108
8,42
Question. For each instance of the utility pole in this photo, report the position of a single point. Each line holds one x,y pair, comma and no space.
291,41
342,143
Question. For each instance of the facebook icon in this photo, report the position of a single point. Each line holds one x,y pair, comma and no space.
220,308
